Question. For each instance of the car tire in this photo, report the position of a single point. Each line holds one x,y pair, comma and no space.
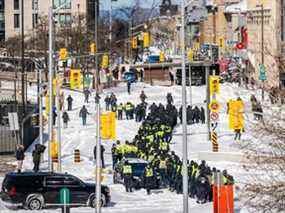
34,203
92,201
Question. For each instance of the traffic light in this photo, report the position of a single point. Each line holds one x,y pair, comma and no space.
146,39
105,61
222,43
214,85
93,48
135,43
161,57
35,120
191,55
62,54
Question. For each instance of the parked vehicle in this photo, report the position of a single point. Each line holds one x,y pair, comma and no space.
35,191
138,167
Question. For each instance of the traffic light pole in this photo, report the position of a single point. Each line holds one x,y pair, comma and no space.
50,68
184,115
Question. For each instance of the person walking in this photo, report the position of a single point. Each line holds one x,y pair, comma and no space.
83,114
129,87
148,175
20,156
87,93
143,96
120,111
202,115
69,102
102,150
127,172
65,118
37,152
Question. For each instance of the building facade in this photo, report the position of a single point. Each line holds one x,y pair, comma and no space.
273,40
34,9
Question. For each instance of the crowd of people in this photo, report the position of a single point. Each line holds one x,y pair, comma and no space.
194,115
152,143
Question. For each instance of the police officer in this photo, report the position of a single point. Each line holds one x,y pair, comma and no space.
120,111
149,178
127,172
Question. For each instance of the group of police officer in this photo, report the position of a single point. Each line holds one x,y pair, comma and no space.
152,143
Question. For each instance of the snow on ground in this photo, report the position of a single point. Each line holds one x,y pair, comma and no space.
81,137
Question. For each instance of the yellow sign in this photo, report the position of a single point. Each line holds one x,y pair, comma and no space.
53,145
214,106
135,43
75,79
161,57
108,126
190,55
93,48
62,54
235,111
214,85
47,104
105,61
146,39
222,43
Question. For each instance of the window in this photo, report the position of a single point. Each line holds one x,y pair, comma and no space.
282,80
2,3
54,181
35,5
58,3
16,4
16,20
283,20
35,20
71,182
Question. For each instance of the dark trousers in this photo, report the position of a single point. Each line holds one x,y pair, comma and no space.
36,166
128,183
69,107
83,121
120,114
238,134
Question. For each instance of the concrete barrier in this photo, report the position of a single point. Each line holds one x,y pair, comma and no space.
235,157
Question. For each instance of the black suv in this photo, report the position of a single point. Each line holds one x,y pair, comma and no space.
35,191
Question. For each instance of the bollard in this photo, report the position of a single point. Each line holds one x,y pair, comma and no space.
76,156
214,139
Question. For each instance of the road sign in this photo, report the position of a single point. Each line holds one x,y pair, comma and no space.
214,106
13,121
214,139
214,116
262,72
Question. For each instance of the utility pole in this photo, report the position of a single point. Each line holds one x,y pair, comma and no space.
262,44
50,67
97,102
58,120
208,101
184,116
22,58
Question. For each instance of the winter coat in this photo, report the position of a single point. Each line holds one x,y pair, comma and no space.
36,155
20,154
83,112
65,117
69,99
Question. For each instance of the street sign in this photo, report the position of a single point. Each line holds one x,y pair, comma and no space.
214,106
214,116
13,121
262,72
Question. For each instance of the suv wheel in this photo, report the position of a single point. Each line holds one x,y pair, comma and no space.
92,201
34,204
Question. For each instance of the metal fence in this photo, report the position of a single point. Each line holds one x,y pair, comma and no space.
27,133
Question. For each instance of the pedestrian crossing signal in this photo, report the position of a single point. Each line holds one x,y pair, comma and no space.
146,39
105,61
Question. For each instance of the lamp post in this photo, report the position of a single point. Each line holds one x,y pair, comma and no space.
184,118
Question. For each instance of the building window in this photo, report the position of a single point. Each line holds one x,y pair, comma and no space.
64,19
283,20
58,3
16,4
35,20
2,3
35,5
16,20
